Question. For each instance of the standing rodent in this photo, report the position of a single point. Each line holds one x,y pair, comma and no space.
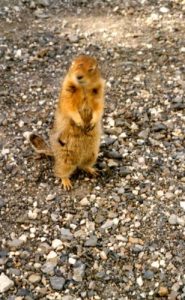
76,133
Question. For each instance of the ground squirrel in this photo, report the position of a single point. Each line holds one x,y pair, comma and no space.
75,136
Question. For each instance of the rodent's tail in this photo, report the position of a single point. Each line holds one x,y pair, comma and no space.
39,144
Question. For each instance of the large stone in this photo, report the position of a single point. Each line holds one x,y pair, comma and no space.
5,283
48,268
57,283
66,234
92,241
15,243
56,243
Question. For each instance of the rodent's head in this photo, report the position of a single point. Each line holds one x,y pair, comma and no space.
84,70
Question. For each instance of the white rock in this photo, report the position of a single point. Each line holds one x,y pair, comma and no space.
52,257
5,151
50,197
72,261
140,281
5,283
134,127
182,49
164,9
175,220
92,197
112,163
84,202
107,224
141,160
111,121
32,215
23,237
169,195
182,204
103,255
155,264
21,123
18,53
123,135
162,263
137,224
27,134
116,221
56,243
160,193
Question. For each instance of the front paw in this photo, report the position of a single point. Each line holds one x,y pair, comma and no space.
90,126
79,123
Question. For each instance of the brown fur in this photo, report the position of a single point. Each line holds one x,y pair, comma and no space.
75,137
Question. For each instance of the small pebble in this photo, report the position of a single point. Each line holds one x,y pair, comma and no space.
34,278
163,291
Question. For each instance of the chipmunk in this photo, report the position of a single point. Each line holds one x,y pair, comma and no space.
75,136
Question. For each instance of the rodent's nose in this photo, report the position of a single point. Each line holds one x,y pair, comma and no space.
79,77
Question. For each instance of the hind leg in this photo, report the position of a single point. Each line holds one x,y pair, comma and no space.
90,170
88,164
63,170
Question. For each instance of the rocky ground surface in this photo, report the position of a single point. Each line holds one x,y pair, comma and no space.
121,235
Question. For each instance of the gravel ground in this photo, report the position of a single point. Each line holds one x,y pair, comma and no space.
122,235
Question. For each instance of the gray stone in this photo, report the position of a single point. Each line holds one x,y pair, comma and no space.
79,271
108,141
2,203
15,243
124,171
144,133
57,283
121,191
159,127
100,274
179,155
148,275
4,92
5,283
43,3
3,253
175,220
113,154
137,248
73,39
40,14
14,271
67,297
178,106
107,224
66,234
48,268
92,241
23,292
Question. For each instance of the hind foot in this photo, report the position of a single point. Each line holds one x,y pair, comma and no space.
91,170
66,184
